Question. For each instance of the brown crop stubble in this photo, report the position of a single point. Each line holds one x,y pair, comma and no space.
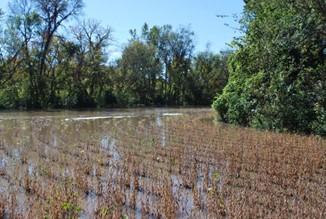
186,167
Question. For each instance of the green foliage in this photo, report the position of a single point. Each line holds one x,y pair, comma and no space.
216,177
40,67
104,212
140,70
125,99
277,75
158,68
209,76
71,209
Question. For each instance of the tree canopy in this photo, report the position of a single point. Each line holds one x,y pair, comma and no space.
274,78
162,68
45,63
277,74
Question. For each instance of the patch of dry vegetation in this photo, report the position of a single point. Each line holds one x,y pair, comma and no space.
167,167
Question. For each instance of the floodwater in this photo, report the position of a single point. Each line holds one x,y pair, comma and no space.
155,163
51,127
48,146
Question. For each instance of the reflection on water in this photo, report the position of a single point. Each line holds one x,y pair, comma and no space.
158,121
98,117
30,169
3,162
163,137
109,144
54,142
172,114
91,203
56,146
15,152
105,143
162,128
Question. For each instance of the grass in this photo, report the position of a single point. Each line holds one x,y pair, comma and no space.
182,166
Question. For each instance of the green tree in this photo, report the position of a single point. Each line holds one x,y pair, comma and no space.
209,76
20,52
140,70
277,77
59,61
89,74
2,59
52,14
30,38
174,49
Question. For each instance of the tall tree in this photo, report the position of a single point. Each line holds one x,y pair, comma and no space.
53,15
209,76
277,76
89,49
21,48
175,50
140,70
2,59
182,51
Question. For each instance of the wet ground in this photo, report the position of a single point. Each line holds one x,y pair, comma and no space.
155,163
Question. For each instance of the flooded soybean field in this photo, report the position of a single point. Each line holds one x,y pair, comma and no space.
155,163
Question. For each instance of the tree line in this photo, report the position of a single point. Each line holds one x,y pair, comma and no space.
46,62
278,71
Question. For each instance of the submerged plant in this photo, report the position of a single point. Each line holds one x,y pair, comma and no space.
204,170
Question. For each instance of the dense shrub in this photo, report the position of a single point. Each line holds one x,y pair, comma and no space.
277,75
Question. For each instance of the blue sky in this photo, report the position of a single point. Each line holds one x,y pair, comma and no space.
123,15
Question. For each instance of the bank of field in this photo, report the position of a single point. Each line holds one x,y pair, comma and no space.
173,164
